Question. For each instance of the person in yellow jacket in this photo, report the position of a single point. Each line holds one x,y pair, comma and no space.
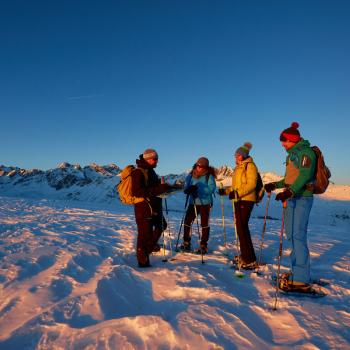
242,191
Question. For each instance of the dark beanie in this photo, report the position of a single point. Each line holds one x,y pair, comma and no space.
244,150
291,134
203,162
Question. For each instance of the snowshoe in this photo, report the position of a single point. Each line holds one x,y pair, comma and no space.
317,281
238,263
299,288
251,266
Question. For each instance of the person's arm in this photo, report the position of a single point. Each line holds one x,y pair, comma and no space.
280,183
140,189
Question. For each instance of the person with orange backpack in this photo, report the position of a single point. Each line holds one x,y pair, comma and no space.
146,187
298,193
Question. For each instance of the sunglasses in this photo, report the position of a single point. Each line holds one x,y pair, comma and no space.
200,166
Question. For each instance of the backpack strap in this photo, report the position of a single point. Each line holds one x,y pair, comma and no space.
145,174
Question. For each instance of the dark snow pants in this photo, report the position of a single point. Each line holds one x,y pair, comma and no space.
149,230
243,210
204,212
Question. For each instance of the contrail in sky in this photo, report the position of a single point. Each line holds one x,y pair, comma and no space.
83,97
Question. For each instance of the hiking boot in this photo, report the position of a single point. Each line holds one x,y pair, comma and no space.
237,259
202,250
286,275
185,246
142,258
156,248
143,265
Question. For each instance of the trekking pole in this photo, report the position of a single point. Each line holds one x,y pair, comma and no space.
263,232
182,221
162,218
199,234
280,254
239,272
223,219
169,231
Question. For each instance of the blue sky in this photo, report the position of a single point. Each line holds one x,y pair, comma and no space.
100,81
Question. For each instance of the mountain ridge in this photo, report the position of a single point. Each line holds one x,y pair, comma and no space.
96,183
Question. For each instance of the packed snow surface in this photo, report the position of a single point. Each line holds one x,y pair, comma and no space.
69,280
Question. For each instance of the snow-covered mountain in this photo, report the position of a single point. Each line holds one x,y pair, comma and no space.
95,183
92,183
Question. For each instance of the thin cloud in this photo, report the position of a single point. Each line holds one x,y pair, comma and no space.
83,97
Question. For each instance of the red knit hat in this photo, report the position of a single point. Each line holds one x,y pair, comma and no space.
291,134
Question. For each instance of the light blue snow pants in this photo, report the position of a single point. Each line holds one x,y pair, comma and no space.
296,222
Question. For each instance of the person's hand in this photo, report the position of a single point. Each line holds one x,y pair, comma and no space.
176,186
283,196
233,195
164,187
222,192
191,190
270,187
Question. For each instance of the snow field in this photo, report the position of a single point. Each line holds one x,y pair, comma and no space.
68,280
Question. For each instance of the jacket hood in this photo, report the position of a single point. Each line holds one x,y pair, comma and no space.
299,146
141,163
247,160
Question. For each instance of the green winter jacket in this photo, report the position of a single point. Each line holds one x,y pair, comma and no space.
300,169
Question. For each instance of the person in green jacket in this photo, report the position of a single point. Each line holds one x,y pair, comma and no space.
297,184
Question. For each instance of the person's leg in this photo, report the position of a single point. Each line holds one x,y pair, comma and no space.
189,218
144,233
204,211
288,225
160,225
243,210
301,261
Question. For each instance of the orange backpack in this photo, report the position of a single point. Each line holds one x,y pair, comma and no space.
125,186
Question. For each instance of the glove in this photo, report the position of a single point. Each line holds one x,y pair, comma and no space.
283,196
222,192
233,195
191,190
164,188
270,187
176,186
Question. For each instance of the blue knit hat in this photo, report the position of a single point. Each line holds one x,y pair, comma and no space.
244,150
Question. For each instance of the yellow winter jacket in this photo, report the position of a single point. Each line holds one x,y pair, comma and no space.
244,180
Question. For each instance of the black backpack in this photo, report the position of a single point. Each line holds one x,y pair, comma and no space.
259,189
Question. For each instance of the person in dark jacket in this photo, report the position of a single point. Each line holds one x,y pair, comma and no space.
298,193
199,186
148,213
